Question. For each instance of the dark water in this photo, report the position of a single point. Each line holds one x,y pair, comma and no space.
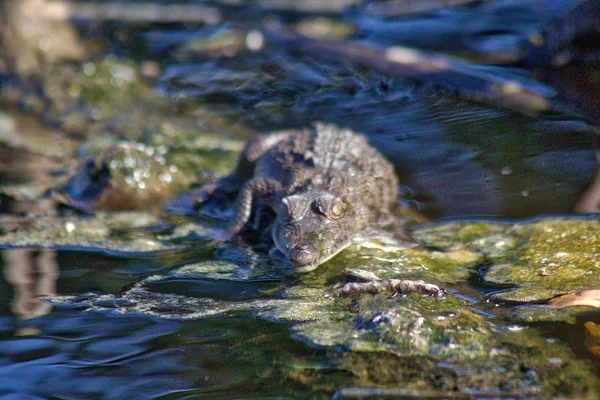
456,157
65,352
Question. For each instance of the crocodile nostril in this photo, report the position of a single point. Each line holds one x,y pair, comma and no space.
303,254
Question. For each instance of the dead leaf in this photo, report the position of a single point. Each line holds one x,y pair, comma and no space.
590,298
592,338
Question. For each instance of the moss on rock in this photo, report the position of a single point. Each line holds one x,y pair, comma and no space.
116,233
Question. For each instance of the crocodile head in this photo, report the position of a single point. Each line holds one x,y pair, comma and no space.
312,227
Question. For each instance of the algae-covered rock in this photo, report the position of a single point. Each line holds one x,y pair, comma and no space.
539,259
550,257
519,365
115,233
404,325
132,175
529,261
128,176
489,237
537,313
371,260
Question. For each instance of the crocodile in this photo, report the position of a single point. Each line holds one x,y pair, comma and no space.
325,185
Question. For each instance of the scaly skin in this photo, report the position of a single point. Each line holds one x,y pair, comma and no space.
325,185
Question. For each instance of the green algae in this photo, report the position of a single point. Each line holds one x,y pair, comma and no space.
511,369
118,233
541,258
536,313
553,257
404,325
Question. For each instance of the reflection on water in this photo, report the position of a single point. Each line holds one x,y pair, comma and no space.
589,200
32,273
74,354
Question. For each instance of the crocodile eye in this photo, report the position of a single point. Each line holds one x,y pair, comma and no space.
338,208
331,208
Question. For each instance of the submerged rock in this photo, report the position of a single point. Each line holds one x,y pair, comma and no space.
514,367
540,259
134,175
551,257
115,233
128,176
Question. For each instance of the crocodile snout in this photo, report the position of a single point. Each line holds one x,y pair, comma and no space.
304,254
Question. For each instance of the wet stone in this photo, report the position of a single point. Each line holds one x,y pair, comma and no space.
552,257
541,259
537,313
91,233
410,325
